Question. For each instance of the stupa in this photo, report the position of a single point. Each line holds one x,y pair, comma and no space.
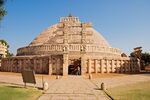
70,47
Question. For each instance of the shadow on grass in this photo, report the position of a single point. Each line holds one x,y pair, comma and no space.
11,85
105,91
97,89
15,87
40,88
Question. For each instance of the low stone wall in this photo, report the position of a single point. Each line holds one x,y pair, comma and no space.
59,48
51,64
58,64
17,64
112,65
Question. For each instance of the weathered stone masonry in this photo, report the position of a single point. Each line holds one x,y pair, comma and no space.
55,65
70,42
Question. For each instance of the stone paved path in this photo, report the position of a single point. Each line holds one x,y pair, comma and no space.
73,88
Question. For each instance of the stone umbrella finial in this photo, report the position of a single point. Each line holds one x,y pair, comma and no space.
70,15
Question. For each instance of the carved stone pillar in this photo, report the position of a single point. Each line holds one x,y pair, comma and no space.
83,50
138,65
19,65
125,66
122,66
112,66
12,70
89,66
107,66
118,67
41,67
128,65
65,50
131,66
34,64
83,64
83,34
23,64
50,66
95,65
65,64
102,65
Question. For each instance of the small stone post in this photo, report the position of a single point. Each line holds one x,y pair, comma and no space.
90,76
45,86
103,87
57,76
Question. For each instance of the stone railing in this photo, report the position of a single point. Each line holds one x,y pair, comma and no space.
91,48
111,65
41,64
49,48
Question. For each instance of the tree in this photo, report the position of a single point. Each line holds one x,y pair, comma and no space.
2,9
137,53
5,43
8,54
132,54
146,58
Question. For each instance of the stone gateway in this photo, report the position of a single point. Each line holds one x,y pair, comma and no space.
70,47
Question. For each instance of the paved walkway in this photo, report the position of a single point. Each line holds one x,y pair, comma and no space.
73,88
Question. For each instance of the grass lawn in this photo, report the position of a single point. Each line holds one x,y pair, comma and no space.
138,91
18,93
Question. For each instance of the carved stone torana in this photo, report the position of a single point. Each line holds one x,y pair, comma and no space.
70,43
83,48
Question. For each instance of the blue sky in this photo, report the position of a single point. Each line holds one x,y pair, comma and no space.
124,23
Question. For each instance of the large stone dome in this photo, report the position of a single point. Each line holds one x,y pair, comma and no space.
54,35
70,47
70,34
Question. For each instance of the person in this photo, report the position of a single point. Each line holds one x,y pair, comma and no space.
78,70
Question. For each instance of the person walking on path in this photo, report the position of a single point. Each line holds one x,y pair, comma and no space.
78,70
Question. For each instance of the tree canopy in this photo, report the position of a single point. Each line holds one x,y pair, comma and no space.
5,43
2,9
146,58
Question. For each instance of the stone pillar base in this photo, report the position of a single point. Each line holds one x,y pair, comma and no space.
65,64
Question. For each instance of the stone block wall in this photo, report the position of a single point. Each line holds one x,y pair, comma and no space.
52,64
58,64
120,65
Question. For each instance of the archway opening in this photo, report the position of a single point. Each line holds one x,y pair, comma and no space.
75,68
